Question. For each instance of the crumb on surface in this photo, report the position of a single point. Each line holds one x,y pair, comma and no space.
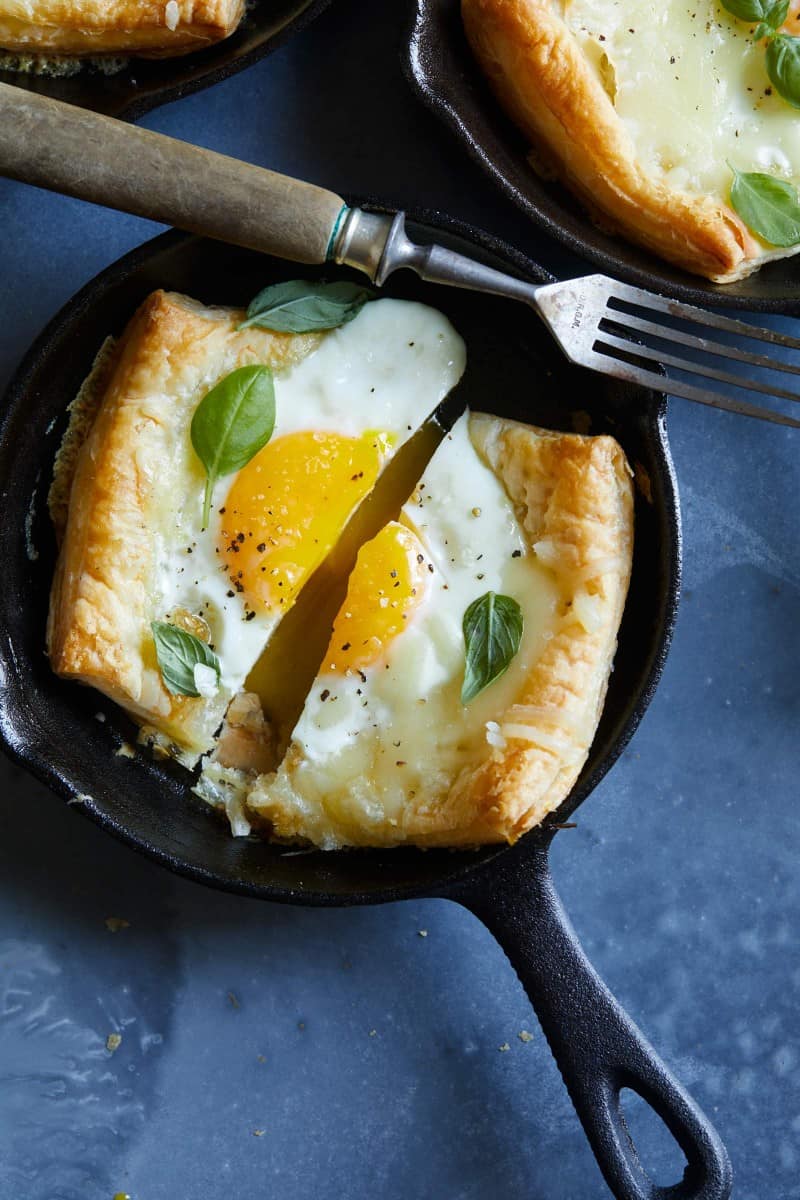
115,924
113,1042
422,932
524,1036
505,1046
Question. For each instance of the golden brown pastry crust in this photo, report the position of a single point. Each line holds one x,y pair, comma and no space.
542,78
149,28
574,500
121,493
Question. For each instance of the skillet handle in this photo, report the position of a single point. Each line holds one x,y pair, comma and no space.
597,1047
68,149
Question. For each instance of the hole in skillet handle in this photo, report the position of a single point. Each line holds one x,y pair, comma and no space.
598,1048
660,1155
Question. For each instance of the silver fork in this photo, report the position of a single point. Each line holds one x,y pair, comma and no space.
598,322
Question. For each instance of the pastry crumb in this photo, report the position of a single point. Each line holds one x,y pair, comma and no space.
524,1036
422,932
115,924
505,1046
373,1033
113,1042
125,750
259,1132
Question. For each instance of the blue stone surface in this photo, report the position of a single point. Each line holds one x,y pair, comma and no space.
288,1053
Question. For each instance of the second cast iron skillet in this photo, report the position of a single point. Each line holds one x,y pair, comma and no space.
144,83
442,70
52,728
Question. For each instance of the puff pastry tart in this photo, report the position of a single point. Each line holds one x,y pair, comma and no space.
149,28
468,664
643,110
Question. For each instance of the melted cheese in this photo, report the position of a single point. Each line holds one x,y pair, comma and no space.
692,89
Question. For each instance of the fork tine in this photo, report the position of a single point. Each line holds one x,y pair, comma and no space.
709,345
693,368
688,391
625,294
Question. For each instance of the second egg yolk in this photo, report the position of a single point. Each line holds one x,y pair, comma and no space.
388,583
287,507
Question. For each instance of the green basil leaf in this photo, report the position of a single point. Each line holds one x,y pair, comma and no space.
768,206
748,10
492,634
777,14
178,653
299,306
783,67
231,424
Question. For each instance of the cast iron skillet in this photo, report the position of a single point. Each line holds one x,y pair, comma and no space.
145,83
441,69
50,726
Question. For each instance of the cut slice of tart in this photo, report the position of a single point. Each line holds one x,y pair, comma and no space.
467,668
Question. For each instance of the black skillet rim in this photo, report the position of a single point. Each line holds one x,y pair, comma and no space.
188,73
49,775
453,90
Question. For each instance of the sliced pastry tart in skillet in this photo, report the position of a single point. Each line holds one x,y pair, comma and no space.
467,666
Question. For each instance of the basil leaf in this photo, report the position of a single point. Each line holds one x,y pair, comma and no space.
777,14
492,634
749,10
783,67
768,206
178,653
299,306
231,424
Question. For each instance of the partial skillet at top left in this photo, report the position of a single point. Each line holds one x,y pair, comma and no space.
142,84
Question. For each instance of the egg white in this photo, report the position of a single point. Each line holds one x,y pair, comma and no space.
369,740
385,370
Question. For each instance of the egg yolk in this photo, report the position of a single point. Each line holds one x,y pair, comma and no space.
287,507
388,583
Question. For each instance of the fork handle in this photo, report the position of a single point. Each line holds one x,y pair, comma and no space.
68,149
362,233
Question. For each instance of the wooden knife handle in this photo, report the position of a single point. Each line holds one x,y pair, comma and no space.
71,150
